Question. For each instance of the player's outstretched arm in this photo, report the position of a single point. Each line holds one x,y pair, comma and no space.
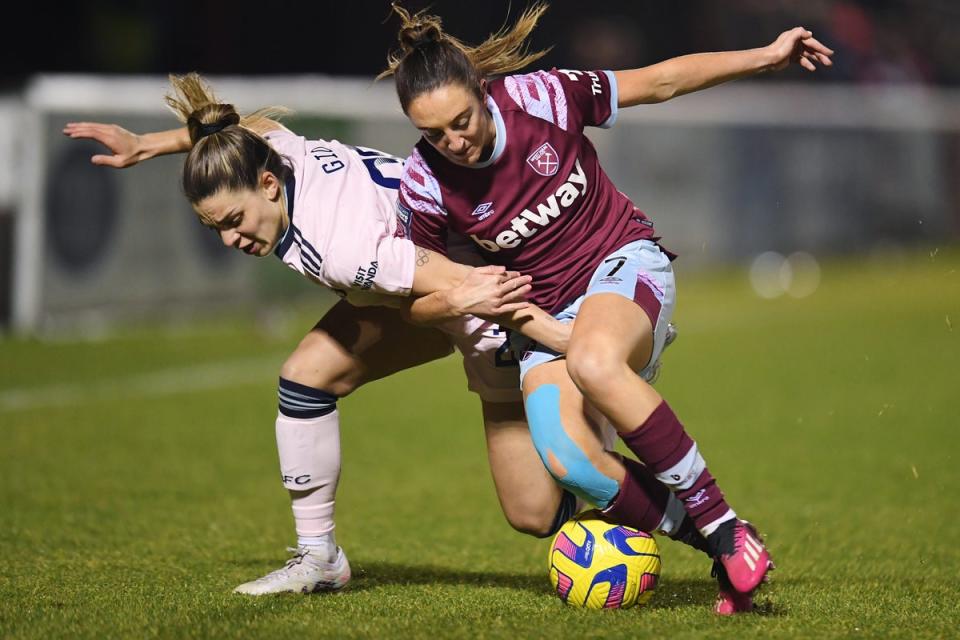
686,74
128,148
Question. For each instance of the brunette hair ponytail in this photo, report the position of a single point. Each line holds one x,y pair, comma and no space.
226,154
427,58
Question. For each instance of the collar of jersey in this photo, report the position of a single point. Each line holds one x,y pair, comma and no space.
501,135
287,239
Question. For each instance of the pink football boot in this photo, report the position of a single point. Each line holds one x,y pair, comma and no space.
729,600
741,552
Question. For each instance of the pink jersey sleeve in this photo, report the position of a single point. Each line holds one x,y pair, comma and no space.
569,99
421,216
342,230
398,256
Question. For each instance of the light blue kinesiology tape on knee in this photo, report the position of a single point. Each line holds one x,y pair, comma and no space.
546,429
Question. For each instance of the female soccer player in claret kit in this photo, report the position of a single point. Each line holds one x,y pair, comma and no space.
504,161
327,210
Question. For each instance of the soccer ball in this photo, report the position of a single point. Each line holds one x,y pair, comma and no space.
601,565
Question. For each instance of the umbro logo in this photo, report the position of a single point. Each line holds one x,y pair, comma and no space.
697,499
529,222
544,160
483,211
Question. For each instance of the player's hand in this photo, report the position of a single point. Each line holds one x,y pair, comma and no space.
799,46
124,145
491,291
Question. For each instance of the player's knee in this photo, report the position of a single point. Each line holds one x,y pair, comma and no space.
541,516
302,367
566,508
570,466
591,366
535,520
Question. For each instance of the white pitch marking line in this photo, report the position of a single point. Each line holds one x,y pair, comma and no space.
163,382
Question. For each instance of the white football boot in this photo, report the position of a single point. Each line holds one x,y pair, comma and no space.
303,573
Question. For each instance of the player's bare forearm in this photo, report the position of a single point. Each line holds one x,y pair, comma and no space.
532,321
435,272
484,291
686,74
538,325
128,148
125,147
161,143
429,310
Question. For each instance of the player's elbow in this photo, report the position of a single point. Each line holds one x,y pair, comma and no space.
662,94
317,363
663,88
648,85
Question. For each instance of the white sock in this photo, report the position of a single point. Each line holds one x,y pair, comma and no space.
323,547
714,525
309,451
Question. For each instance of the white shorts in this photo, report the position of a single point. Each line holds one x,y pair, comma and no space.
492,370
639,271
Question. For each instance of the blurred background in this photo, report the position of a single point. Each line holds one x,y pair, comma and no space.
775,174
816,216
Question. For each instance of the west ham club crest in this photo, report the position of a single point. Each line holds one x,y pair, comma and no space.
544,160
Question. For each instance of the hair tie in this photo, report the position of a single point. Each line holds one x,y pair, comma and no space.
422,37
205,130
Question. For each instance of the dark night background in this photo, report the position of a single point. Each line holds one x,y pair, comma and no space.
885,41
881,180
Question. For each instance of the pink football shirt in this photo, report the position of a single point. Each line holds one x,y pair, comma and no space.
342,231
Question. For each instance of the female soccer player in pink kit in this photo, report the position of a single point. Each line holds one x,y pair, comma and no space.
505,162
328,211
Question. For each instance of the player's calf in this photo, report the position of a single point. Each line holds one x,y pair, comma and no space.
308,443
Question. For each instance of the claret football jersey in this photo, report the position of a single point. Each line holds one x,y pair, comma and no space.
541,204
342,231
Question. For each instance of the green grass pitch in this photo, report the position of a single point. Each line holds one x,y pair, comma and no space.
138,478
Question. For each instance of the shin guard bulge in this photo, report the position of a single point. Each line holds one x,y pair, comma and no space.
663,444
308,443
642,500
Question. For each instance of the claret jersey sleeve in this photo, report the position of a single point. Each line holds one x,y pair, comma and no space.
568,98
421,216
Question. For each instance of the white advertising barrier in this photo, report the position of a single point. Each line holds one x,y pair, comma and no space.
725,174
